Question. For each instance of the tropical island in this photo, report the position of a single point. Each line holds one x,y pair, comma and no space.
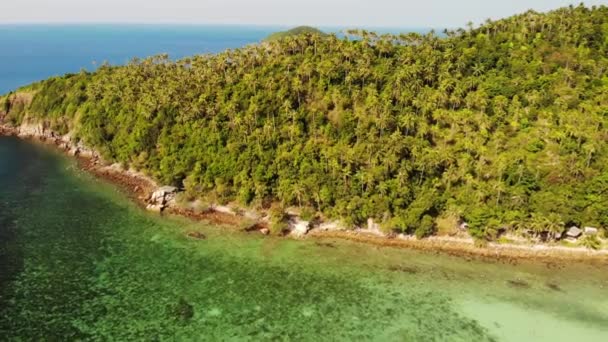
495,132
296,31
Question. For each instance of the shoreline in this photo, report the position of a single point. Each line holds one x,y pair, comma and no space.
139,188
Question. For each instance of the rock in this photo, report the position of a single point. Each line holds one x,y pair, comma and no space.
162,195
591,231
330,226
183,311
197,235
325,244
252,215
371,225
167,189
372,228
87,153
299,228
157,197
155,208
170,201
31,130
66,138
518,283
574,232
265,231
223,209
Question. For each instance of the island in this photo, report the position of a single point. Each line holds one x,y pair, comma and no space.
300,30
494,133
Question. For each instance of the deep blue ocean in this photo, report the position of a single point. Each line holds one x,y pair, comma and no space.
29,53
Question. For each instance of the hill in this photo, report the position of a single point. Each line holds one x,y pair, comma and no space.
502,126
295,32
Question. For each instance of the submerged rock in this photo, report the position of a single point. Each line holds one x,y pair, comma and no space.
554,287
518,283
182,310
325,244
197,235
404,269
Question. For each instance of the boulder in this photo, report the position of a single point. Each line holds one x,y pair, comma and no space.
162,195
330,226
299,228
223,209
265,231
87,153
574,232
252,215
167,189
154,208
65,138
591,231
197,235
371,225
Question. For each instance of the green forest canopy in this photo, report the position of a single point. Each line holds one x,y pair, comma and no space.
504,126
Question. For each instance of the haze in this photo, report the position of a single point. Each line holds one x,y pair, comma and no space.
376,13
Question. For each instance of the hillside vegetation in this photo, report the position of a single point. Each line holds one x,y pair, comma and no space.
504,126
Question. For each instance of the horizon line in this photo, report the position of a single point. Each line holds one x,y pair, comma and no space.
169,23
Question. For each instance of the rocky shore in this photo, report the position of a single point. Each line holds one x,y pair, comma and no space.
162,199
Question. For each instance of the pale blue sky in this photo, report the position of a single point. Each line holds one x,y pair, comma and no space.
370,13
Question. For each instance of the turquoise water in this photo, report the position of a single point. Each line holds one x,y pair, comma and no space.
78,260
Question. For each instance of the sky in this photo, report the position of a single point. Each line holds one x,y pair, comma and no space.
352,13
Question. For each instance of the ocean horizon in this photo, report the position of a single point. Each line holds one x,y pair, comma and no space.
33,52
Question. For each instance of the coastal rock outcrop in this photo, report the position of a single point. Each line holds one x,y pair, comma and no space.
161,198
40,131
36,130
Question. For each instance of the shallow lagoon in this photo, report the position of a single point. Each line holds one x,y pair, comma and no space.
79,260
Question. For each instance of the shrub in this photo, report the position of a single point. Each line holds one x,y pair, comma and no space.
591,242
278,219
307,214
425,228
